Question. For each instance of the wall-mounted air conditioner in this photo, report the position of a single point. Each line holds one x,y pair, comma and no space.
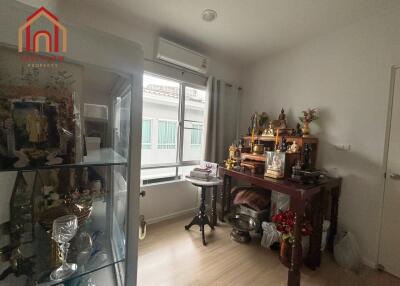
95,111
178,55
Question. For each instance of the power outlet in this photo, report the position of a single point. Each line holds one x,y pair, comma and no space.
343,147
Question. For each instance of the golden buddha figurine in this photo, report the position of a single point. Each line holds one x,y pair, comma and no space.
294,148
269,131
36,126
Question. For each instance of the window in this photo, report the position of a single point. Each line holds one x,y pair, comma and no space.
177,111
146,133
196,135
166,134
195,106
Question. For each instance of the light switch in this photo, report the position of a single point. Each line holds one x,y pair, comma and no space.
343,147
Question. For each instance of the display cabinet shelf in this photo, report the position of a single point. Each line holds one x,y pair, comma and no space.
99,241
102,157
289,139
254,157
105,251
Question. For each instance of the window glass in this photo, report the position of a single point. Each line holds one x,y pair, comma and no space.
195,109
173,127
166,134
196,135
146,134
161,104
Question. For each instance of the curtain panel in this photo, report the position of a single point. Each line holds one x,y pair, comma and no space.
222,121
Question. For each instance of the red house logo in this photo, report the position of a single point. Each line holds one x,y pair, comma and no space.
51,38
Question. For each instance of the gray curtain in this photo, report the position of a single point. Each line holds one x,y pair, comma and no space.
222,123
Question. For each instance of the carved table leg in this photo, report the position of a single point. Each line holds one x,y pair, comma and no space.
296,260
214,206
335,193
201,219
314,257
228,199
222,198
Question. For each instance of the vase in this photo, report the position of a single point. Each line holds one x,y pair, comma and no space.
285,254
306,129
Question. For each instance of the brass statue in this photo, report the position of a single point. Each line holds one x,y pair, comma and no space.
269,131
259,122
282,120
294,148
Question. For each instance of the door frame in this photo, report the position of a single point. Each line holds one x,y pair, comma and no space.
393,72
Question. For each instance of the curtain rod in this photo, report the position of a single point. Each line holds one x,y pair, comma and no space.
182,69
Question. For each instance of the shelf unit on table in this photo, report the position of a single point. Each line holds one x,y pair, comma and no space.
104,223
269,144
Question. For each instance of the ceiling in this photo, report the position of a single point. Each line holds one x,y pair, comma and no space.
98,81
245,30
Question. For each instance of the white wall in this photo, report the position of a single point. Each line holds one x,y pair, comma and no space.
346,74
168,200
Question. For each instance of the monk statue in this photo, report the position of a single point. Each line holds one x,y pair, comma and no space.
282,120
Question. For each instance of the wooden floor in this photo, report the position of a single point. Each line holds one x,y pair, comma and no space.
172,256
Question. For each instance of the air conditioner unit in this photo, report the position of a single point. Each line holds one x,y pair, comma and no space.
95,111
178,55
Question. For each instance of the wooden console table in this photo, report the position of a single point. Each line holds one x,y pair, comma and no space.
301,195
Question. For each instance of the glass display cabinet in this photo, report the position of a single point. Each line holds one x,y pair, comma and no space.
64,144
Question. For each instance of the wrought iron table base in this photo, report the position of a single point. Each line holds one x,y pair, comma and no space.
201,219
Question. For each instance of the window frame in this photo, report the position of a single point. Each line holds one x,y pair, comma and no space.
180,129
200,127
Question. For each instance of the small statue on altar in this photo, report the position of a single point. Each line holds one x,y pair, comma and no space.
249,131
269,131
233,158
283,145
255,125
307,163
275,164
294,148
258,122
282,120
232,151
298,132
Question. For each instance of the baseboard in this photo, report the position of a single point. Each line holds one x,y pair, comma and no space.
369,263
170,216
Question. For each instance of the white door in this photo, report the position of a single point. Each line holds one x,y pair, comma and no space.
389,252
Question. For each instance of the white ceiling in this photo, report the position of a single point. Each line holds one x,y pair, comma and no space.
245,30
248,29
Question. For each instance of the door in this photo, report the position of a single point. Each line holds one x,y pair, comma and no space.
389,252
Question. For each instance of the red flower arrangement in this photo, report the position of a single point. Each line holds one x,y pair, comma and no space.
285,220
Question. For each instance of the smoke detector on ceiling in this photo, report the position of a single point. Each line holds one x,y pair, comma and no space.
209,15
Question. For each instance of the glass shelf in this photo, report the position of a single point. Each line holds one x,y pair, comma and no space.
102,276
108,248
101,157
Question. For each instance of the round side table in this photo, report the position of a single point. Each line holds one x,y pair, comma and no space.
201,219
